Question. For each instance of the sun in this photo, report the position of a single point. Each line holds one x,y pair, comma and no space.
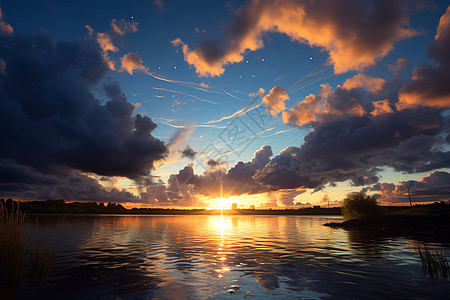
220,203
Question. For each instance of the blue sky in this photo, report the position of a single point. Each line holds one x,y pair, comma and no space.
188,104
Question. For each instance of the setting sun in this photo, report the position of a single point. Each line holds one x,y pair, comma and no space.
197,149
221,203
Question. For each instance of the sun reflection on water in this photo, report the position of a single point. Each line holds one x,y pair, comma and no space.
221,225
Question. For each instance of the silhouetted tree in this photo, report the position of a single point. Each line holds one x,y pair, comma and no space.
359,205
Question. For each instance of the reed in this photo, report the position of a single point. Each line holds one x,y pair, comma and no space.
12,247
434,261
19,256
39,261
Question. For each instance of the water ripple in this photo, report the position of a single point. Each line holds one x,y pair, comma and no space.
200,257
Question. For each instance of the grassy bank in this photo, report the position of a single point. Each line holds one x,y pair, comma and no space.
21,258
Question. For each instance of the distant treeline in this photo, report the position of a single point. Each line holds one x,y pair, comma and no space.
61,207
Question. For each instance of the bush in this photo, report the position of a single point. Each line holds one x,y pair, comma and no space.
359,205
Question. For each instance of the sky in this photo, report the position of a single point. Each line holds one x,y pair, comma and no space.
206,103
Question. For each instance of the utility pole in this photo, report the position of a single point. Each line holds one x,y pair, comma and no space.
409,196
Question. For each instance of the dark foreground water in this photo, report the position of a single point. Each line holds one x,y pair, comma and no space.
201,257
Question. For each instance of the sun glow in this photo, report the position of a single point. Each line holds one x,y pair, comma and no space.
221,203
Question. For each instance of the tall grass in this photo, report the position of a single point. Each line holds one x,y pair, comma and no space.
12,247
19,256
434,262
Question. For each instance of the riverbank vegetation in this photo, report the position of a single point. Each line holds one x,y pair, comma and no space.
62,207
434,261
21,258
360,205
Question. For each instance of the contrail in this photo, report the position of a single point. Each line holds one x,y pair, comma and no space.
188,95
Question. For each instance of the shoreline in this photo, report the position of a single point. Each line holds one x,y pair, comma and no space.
435,227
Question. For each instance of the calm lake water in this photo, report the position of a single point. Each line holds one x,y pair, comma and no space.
201,257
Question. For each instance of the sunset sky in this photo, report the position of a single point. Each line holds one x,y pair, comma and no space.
205,103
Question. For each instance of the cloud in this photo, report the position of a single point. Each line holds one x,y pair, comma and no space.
402,63
430,82
371,84
106,41
122,27
75,186
188,152
90,30
2,67
353,98
286,198
381,107
131,62
173,154
5,28
355,130
215,163
339,148
346,142
54,123
433,187
106,44
310,109
274,101
183,188
355,34
156,194
260,92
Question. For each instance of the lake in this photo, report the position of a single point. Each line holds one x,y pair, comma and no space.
202,257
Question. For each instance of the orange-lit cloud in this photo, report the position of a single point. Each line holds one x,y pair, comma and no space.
371,84
309,109
90,30
106,43
106,40
274,101
5,28
433,187
203,68
131,62
354,34
122,27
381,107
430,85
260,92
346,99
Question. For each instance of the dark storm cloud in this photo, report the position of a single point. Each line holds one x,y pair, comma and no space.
433,187
52,123
32,185
353,147
188,152
182,188
51,120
